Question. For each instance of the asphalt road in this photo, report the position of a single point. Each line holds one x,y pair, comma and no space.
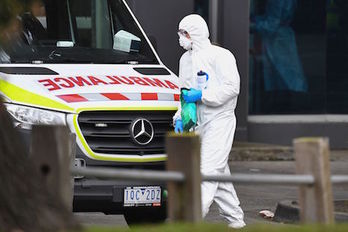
253,198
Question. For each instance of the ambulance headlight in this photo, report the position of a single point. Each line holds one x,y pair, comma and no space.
24,117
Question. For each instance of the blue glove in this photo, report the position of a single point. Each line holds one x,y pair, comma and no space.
192,95
178,126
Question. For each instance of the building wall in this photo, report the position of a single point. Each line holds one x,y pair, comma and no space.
160,18
234,35
283,133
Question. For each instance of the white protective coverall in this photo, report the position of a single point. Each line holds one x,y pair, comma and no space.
215,113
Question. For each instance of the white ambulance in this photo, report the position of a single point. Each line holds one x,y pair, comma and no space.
88,64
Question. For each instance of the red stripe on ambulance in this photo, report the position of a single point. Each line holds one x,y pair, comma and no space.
115,96
149,96
176,97
70,98
93,97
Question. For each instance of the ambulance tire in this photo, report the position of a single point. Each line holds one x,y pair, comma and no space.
136,216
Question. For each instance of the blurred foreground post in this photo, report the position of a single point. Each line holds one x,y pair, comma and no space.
184,197
26,202
316,202
52,148
72,156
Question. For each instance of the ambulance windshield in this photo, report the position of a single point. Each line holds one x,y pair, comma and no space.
77,31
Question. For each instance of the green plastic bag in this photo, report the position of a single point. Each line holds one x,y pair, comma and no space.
188,113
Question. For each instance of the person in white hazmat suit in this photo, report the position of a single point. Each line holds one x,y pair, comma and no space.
216,101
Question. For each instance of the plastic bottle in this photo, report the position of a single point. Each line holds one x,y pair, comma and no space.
202,79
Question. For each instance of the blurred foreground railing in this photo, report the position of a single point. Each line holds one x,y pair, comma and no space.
134,174
125,174
184,178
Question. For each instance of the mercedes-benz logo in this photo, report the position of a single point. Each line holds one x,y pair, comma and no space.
142,131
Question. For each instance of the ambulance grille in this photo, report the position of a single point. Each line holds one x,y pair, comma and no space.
109,132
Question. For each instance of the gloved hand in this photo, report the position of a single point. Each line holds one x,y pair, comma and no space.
179,128
192,95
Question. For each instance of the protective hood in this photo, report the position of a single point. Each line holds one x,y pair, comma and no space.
196,26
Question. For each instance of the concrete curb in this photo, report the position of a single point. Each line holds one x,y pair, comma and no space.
288,212
267,152
260,152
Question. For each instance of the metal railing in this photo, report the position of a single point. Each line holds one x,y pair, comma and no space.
271,179
318,180
183,175
125,174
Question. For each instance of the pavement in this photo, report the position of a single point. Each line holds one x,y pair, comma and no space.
267,152
252,158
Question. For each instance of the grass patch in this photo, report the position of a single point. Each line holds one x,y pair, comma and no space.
222,228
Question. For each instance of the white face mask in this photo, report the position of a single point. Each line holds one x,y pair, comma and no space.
185,42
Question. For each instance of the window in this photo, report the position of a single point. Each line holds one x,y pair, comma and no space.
298,57
78,31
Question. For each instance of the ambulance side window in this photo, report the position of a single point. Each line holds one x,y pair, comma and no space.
57,29
122,20
84,25
93,25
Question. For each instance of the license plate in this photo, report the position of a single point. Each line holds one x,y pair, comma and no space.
142,196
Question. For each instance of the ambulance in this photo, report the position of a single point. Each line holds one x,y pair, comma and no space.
88,64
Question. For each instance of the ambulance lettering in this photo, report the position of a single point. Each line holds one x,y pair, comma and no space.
113,80
96,81
139,81
124,80
79,81
155,82
63,82
51,85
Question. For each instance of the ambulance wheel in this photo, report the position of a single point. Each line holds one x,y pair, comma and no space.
136,216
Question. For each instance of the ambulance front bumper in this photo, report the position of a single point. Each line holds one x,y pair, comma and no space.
106,196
